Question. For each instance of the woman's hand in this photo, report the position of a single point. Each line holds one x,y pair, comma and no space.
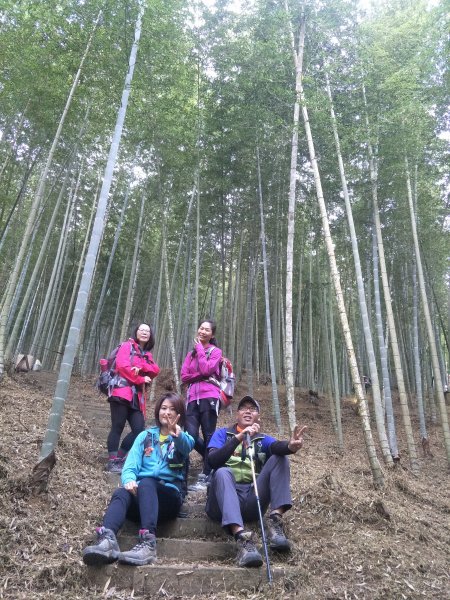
196,341
296,441
132,487
147,379
172,425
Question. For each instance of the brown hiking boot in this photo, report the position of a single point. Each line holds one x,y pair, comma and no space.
248,555
275,534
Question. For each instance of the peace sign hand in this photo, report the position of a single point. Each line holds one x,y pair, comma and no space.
172,425
296,441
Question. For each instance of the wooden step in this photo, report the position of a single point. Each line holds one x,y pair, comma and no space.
185,579
191,528
177,549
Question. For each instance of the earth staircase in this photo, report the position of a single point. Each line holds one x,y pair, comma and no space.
195,556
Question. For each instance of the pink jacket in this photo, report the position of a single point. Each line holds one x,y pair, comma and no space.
197,369
124,363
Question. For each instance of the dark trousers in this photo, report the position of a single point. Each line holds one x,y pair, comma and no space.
232,503
202,415
154,502
120,414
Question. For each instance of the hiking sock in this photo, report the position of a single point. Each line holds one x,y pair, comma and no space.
121,453
145,530
238,534
112,455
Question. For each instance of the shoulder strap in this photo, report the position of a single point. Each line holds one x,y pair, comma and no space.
149,440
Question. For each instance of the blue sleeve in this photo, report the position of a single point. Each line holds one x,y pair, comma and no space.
218,439
133,463
184,443
266,443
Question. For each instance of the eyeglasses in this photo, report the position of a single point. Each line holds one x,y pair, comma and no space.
252,409
144,330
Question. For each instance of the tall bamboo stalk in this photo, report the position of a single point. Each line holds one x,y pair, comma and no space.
273,375
62,386
288,348
388,301
376,393
429,327
368,438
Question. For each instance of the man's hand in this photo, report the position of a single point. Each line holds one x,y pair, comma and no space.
132,487
250,429
296,441
172,424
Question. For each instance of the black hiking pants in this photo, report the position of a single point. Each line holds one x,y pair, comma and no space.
121,412
154,502
202,414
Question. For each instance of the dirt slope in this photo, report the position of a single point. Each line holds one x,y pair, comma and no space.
351,541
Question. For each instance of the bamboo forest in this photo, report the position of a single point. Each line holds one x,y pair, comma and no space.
279,167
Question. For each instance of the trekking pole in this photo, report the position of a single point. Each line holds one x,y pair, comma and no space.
251,454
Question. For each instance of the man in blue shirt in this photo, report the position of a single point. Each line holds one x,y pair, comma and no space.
231,497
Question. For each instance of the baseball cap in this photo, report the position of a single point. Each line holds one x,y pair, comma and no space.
249,399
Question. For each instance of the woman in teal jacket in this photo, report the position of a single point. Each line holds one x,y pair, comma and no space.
152,479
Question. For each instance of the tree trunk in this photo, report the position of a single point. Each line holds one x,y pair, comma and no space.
99,307
388,303
429,327
133,273
273,375
392,436
376,393
62,386
370,446
288,347
169,312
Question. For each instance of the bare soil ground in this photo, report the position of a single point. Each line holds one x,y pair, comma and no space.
351,541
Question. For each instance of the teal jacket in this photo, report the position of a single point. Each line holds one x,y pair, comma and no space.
164,462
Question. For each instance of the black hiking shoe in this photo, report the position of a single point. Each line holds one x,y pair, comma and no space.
275,534
248,555
105,551
144,553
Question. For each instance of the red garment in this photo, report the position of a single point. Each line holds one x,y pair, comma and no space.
197,369
125,360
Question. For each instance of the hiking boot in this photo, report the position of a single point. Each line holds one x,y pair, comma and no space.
115,465
144,553
248,555
105,551
201,485
275,534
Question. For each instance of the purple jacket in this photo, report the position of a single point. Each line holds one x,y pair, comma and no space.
197,369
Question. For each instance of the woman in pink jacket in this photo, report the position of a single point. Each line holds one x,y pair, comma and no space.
200,365
135,368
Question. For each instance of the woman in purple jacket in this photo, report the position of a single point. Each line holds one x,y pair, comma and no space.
200,366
